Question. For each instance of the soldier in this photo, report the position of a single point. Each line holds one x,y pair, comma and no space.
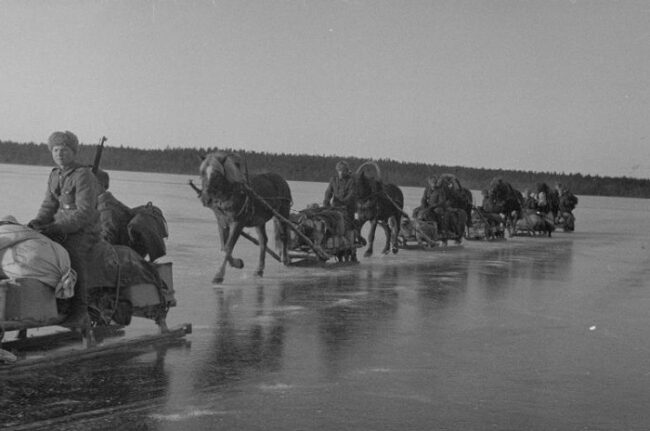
428,191
69,215
340,191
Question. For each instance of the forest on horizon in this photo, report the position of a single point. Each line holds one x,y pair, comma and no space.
320,168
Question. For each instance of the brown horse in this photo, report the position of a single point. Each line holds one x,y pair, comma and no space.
238,203
378,202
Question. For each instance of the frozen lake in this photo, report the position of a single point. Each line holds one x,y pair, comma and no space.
523,334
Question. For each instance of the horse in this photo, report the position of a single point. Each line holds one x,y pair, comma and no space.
378,202
238,202
504,199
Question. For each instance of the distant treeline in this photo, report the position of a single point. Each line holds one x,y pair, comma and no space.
303,167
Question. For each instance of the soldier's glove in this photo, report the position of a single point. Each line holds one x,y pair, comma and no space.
53,232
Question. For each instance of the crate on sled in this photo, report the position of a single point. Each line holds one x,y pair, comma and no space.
28,299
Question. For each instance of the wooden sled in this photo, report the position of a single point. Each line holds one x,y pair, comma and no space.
321,234
27,304
485,226
424,233
566,221
532,223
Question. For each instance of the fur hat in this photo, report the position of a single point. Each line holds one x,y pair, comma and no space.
66,138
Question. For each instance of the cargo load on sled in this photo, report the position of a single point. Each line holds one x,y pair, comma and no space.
441,216
533,223
325,228
424,228
486,225
37,286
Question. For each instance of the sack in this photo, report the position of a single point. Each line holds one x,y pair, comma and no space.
147,231
25,253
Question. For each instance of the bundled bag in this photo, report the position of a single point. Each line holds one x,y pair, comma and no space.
147,231
25,253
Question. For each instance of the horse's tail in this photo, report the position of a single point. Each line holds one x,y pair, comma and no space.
370,163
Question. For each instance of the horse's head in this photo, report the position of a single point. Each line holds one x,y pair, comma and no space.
363,186
367,187
219,172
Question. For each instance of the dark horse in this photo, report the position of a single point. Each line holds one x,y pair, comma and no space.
238,203
378,203
504,199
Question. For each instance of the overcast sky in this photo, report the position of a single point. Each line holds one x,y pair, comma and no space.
535,85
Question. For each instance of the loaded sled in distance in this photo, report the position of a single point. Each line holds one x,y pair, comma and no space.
320,234
424,229
485,225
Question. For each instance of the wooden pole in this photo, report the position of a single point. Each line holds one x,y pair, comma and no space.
319,252
424,235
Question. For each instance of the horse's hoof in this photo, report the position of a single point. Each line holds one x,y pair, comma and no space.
367,254
237,263
395,250
218,279
259,273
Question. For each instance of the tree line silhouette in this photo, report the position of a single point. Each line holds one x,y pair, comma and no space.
304,167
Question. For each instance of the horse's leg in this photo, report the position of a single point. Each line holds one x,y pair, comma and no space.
284,232
235,230
233,261
371,237
263,240
396,220
224,234
357,225
388,234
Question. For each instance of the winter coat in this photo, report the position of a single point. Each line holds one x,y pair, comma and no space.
341,192
71,200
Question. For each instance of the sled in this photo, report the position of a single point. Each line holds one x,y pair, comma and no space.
27,304
321,234
532,223
485,226
566,221
422,231
417,234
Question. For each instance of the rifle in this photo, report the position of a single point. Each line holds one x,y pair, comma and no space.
98,154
